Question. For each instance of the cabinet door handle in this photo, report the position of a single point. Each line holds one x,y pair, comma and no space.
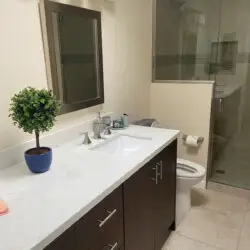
161,175
156,174
221,106
113,247
103,222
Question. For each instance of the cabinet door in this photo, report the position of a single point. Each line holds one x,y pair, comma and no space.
165,195
65,241
139,226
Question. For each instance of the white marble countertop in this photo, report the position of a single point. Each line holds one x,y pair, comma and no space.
43,206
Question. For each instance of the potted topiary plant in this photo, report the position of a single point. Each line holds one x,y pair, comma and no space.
35,111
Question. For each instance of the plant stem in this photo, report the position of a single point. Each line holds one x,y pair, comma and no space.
37,140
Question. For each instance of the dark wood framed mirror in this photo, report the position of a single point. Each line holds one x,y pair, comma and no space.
73,52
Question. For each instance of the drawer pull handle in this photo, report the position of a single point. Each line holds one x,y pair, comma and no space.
161,174
102,222
221,107
156,174
113,247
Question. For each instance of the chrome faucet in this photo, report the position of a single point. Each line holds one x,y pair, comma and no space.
97,129
99,125
107,130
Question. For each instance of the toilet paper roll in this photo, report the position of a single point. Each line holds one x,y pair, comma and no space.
192,141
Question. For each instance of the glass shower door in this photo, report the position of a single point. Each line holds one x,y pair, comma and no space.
231,146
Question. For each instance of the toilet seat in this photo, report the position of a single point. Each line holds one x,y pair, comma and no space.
188,169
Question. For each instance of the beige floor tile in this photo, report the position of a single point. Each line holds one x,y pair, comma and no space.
212,227
178,242
244,243
218,201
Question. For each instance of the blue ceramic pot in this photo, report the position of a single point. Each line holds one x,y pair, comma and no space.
38,163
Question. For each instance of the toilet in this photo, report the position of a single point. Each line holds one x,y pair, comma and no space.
188,175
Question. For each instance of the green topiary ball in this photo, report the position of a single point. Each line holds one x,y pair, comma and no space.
34,110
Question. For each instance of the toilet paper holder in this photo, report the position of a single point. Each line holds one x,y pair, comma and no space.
200,139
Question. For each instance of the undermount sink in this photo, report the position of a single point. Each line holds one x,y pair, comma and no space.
122,144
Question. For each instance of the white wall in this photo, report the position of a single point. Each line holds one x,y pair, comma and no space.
185,107
127,37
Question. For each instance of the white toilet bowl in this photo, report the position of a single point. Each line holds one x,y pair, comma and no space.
188,175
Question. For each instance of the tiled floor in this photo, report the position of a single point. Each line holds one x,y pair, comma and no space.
217,221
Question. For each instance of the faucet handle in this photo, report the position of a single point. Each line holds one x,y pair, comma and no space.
87,140
107,130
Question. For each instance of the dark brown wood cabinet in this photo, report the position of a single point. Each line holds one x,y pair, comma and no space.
138,196
65,241
165,195
139,215
149,202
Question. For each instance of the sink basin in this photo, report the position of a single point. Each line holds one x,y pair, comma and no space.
123,145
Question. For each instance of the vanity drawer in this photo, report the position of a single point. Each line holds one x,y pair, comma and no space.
102,227
111,236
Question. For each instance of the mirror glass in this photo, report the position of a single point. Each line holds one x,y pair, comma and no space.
76,56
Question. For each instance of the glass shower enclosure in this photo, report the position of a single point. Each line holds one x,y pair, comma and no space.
185,32
231,144
210,40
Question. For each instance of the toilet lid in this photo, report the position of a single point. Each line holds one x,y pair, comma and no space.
189,169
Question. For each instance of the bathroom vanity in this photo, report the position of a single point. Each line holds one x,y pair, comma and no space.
139,214
94,198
